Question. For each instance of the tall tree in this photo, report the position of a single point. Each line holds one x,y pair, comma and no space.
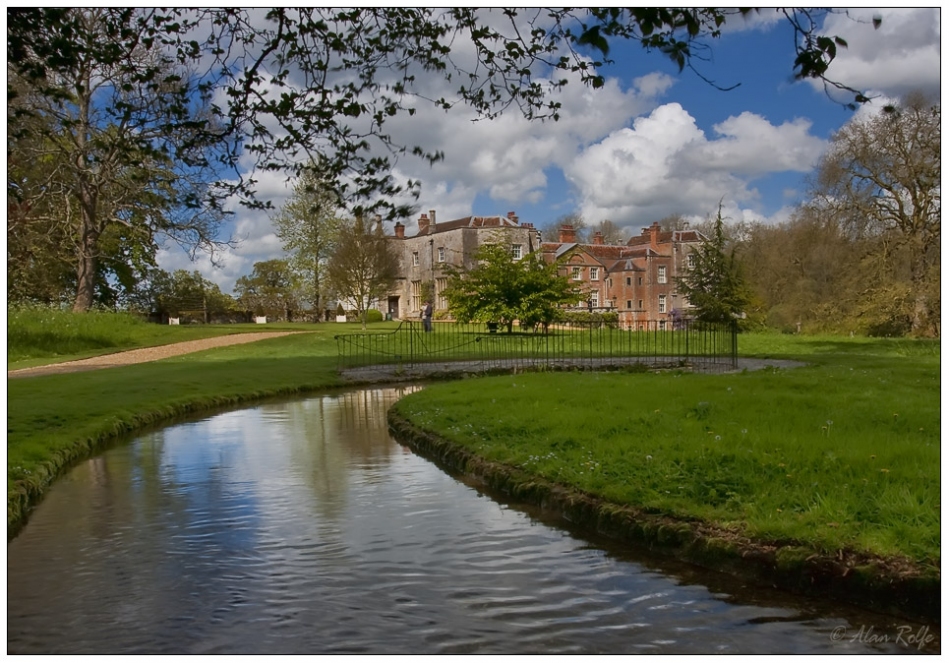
308,224
504,290
363,266
714,285
118,123
881,178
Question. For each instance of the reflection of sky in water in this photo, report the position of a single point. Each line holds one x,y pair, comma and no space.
301,527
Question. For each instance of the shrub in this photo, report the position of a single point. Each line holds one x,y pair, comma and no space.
372,315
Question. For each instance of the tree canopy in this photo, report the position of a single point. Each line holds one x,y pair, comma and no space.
308,226
105,135
268,290
290,87
502,289
363,266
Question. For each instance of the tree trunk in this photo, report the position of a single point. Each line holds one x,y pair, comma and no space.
87,265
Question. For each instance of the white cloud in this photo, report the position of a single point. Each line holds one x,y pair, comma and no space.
666,165
901,56
750,145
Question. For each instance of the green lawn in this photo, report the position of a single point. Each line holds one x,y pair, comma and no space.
753,450
841,454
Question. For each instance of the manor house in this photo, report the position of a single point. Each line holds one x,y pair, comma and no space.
437,245
636,280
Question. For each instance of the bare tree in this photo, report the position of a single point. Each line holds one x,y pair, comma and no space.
881,178
551,232
673,222
610,232
363,266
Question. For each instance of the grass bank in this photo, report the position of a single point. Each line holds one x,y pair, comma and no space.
54,420
841,456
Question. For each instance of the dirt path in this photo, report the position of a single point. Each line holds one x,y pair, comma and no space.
143,355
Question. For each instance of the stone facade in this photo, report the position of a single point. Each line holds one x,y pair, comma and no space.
437,245
636,280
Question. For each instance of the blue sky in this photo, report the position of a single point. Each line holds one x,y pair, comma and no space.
652,142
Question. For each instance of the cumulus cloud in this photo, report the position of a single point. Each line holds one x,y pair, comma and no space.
666,165
901,56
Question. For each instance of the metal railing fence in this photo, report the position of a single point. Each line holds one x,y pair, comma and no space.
585,345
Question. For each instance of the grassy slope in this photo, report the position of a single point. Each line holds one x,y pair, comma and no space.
36,337
841,454
54,419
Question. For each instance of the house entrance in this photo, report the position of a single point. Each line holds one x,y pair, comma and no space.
393,310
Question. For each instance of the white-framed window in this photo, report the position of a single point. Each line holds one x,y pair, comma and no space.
440,301
441,254
415,258
662,303
595,299
691,260
416,295
577,273
517,251
594,273
662,325
661,274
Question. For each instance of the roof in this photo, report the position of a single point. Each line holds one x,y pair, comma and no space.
667,237
475,222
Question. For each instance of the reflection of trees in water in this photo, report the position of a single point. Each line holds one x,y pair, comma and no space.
329,436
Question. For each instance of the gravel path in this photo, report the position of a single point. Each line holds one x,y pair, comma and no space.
143,355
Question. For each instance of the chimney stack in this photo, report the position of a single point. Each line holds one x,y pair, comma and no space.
431,217
653,233
567,234
399,230
597,237
423,224
513,217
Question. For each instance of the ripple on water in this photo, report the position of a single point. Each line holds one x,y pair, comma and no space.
303,528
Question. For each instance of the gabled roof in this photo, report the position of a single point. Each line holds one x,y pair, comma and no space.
625,265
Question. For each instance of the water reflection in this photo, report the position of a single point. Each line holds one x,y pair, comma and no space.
301,527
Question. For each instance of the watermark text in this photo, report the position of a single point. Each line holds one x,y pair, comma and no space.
915,637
